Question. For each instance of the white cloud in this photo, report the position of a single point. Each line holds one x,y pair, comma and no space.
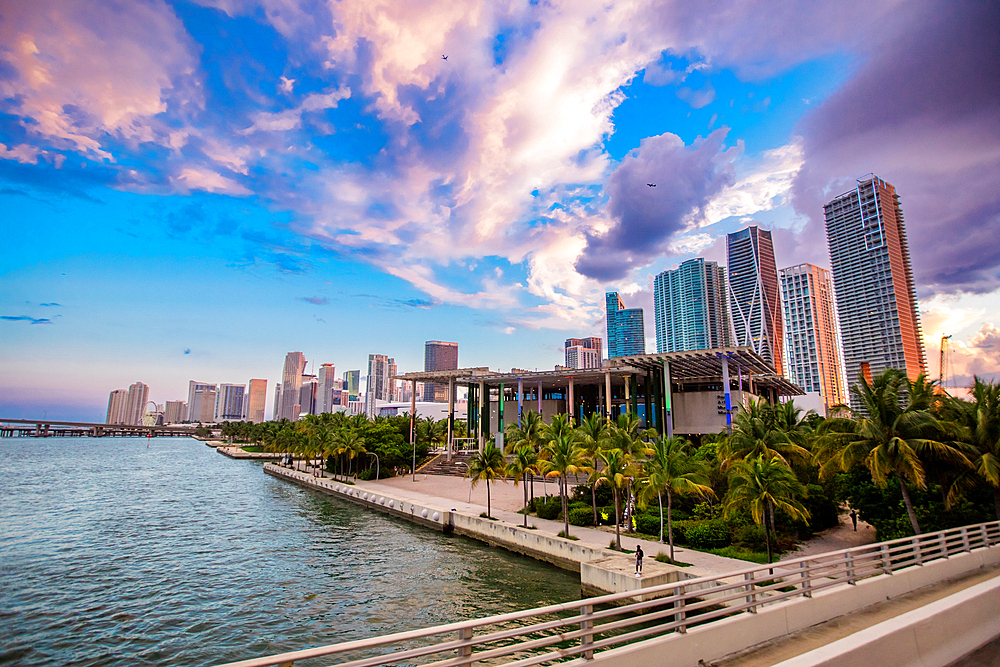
765,184
194,178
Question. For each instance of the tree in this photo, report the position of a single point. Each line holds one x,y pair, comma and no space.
561,456
530,432
980,419
673,470
762,485
593,434
524,461
885,436
616,471
486,465
763,430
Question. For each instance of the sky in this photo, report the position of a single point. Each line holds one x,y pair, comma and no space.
191,189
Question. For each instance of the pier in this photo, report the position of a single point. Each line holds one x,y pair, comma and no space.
49,428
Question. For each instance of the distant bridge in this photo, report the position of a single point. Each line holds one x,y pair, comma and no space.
47,428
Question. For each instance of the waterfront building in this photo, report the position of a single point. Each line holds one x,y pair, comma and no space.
439,356
379,387
352,383
754,299
626,332
135,403
201,405
812,341
291,383
229,402
307,395
876,299
175,412
692,307
591,353
116,406
326,385
193,386
256,398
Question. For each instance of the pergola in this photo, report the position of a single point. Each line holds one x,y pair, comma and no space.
624,381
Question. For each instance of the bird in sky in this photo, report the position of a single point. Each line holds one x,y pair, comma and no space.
444,57
652,185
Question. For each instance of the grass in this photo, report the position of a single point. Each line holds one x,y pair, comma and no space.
563,535
484,515
664,558
738,553
254,449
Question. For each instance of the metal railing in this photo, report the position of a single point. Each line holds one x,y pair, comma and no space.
584,627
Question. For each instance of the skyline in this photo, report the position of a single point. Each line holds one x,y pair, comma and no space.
192,189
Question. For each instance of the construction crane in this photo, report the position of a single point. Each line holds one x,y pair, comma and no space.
945,362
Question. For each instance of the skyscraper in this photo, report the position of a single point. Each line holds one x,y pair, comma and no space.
201,404
307,395
811,333
229,402
754,300
378,382
277,402
352,383
135,403
255,401
578,356
175,412
876,300
439,356
291,383
324,388
626,332
692,308
116,406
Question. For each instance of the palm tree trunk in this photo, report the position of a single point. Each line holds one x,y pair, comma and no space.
618,514
524,477
593,498
565,506
909,506
489,512
659,499
767,540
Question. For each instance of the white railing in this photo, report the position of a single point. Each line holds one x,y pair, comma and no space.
585,627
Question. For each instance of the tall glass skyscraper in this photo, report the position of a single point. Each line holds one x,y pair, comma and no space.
876,300
439,355
753,293
626,332
811,333
692,309
291,383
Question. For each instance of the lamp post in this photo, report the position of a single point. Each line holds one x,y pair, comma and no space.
376,464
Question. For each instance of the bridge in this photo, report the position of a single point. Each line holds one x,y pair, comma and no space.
713,620
45,428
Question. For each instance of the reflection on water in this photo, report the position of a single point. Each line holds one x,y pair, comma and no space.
115,553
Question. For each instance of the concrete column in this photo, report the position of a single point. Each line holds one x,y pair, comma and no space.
648,397
728,394
451,416
539,398
413,415
500,409
484,413
668,412
520,397
628,393
571,405
607,394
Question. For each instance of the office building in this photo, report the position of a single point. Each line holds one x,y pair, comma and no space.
326,384
692,307
116,406
175,412
379,381
193,386
812,344
135,403
201,405
291,384
308,390
256,398
277,402
626,332
876,299
754,298
578,356
439,356
229,402
594,347
352,384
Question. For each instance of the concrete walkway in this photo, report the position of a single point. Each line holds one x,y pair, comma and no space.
839,537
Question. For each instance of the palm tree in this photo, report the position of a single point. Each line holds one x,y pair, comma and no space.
763,485
673,470
525,461
593,433
530,432
980,419
561,457
761,430
886,437
488,465
625,435
616,470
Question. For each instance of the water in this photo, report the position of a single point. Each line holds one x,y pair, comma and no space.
112,553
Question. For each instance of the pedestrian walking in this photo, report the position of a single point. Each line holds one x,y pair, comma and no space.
854,519
638,560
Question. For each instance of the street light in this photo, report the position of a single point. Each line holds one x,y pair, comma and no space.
376,464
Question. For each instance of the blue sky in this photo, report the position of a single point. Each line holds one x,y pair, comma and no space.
189,190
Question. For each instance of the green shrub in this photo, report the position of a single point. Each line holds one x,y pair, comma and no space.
708,534
581,516
739,554
648,524
750,537
366,475
548,508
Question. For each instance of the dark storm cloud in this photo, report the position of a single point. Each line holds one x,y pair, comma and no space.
923,114
645,218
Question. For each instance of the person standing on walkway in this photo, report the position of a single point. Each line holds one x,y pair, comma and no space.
638,560
854,519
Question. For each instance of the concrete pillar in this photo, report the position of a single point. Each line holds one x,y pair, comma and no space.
607,393
647,396
484,413
451,416
628,393
668,416
500,409
728,394
571,405
539,398
520,397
